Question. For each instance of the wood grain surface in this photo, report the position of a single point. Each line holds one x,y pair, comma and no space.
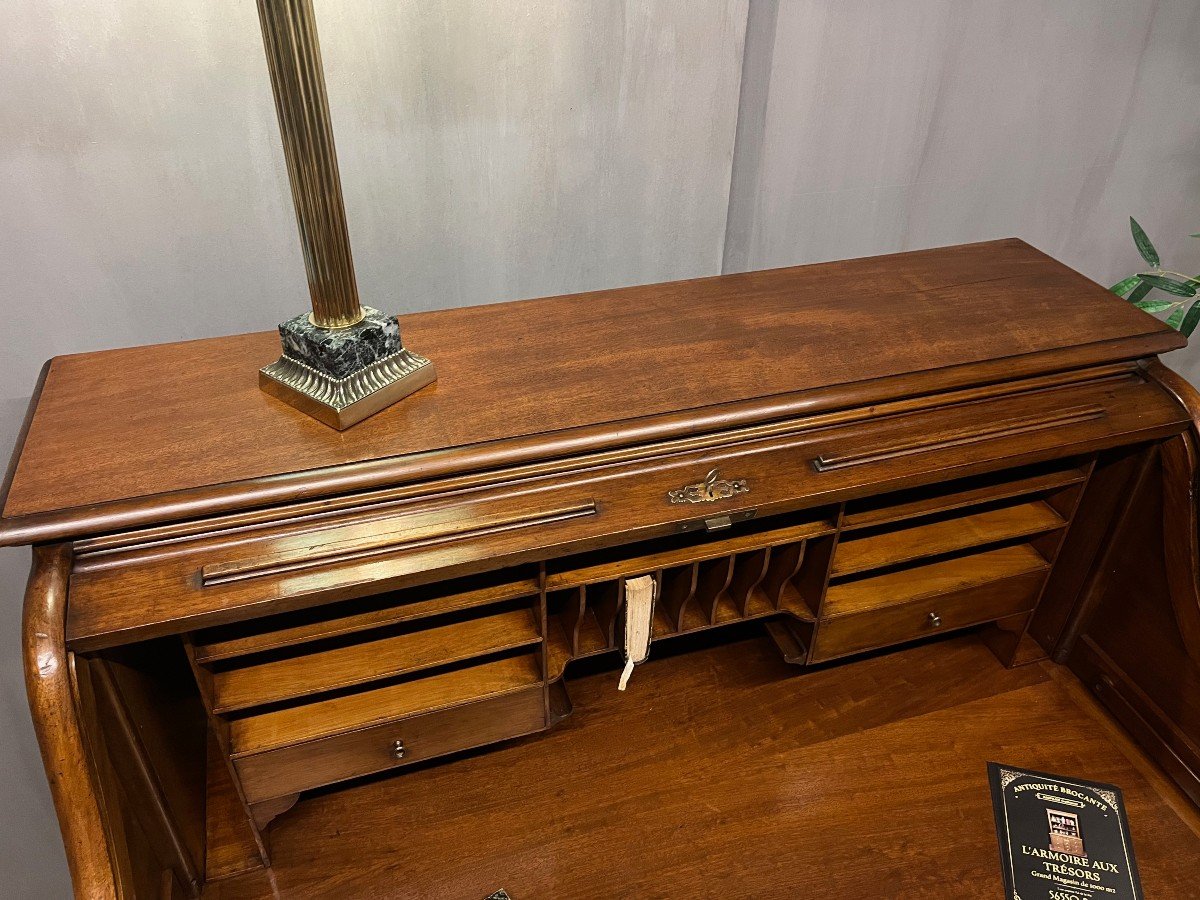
943,535
723,773
49,685
153,589
942,498
191,414
372,659
976,387
931,580
295,725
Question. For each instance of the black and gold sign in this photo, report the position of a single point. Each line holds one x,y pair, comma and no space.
1062,838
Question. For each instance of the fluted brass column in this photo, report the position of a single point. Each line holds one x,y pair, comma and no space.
298,82
345,361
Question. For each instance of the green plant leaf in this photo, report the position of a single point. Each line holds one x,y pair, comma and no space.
1190,320
1139,292
1170,285
1197,234
1124,286
1154,306
1176,318
1149,254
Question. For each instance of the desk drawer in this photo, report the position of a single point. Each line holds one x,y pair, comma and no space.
277,773
887,625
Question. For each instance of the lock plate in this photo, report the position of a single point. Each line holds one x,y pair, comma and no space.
717,523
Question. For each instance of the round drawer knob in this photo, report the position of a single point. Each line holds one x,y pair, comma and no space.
935,621
398,749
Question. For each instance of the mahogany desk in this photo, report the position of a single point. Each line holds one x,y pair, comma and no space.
233,607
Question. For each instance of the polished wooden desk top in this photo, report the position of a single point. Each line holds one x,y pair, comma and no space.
193,429
232,605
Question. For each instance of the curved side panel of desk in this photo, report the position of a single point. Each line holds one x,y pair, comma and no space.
1139,645
54,703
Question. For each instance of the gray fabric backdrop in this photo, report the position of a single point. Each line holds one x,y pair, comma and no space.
492,151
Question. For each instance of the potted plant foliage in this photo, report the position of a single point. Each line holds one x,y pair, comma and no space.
1180,302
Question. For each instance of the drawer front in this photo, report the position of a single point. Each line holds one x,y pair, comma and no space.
855,633
278,773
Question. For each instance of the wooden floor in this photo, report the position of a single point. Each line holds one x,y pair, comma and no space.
727,773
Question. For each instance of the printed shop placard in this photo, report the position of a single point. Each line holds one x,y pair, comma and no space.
1062,838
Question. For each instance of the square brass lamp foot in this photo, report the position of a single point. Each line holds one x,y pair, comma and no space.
342,402
342,376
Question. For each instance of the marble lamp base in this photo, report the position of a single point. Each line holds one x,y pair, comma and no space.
340,376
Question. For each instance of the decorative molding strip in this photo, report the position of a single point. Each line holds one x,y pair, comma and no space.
961,437
320,553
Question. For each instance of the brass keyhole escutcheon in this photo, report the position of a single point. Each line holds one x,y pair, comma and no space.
935,621
398,749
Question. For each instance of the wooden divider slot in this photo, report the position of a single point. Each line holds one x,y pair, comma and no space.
749,570
593,637
678,589
662,625
782,568
604,601
582,622
558,650
805,602
570,607
712,590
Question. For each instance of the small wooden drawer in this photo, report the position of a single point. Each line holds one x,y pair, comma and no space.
288,770
887,625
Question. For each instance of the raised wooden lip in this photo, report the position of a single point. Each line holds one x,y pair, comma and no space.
384,472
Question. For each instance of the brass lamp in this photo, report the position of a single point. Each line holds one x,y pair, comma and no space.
343,362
